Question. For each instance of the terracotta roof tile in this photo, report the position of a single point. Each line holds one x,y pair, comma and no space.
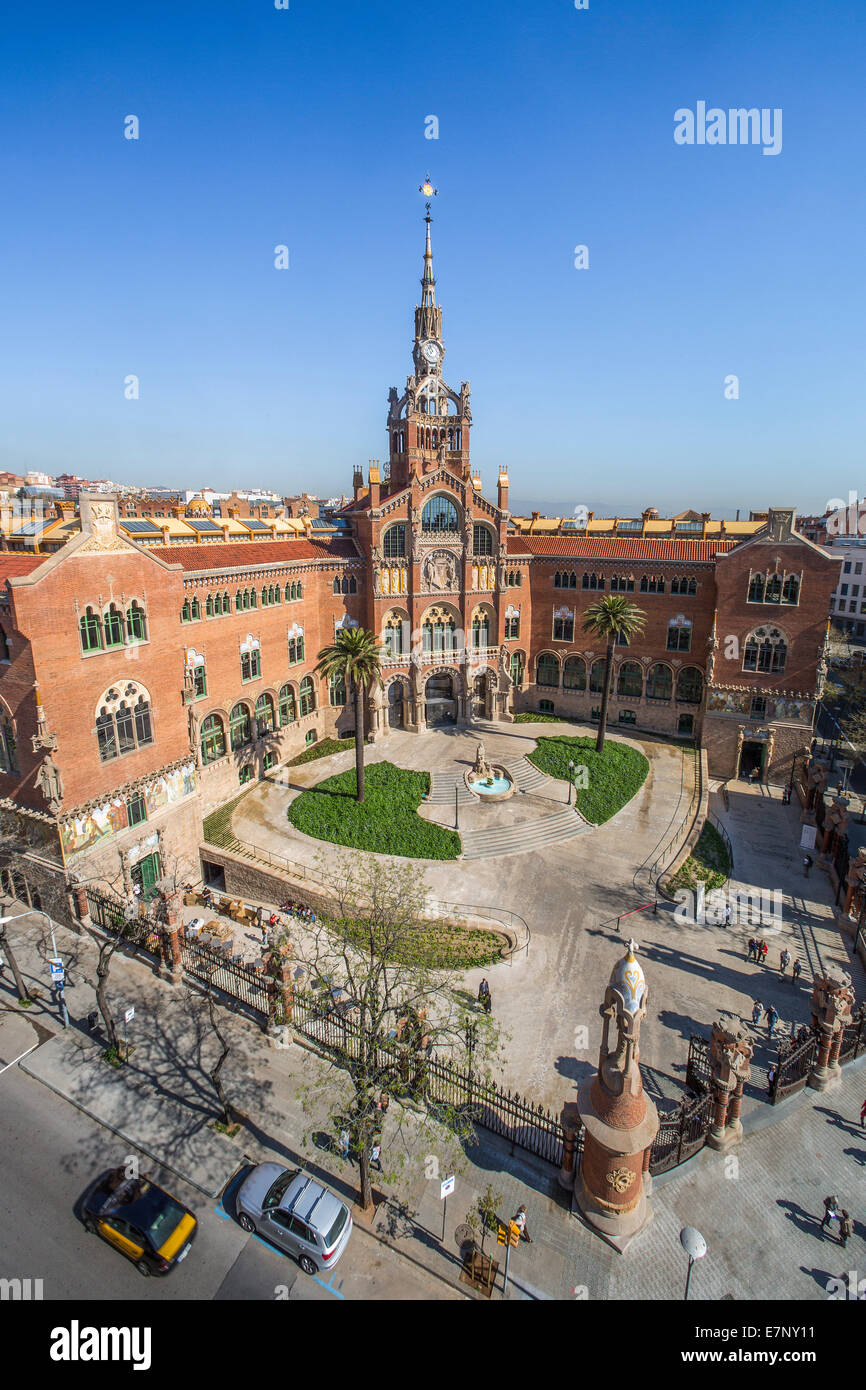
618,547
217,555
13,563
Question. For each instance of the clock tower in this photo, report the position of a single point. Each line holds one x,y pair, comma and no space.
428,426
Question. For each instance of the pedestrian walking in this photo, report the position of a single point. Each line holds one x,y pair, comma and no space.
771,1078
483,991
784,961
831,1211
863,1114
757,1010
846,1228
727,914
796,969
488,1003
375,1157
344,1143
807,864
752,945
765,951
772,1017
519,1219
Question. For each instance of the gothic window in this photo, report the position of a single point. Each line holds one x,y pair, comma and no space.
213,738
191,611
630,679
564,579
563,627
124,722
392,635
440,514
652,584
482,540
684,587
596,676
791,589
136,628
679,637
394,542
765,650
8,760
113,627
547,670
251,665
756,589
265,715
90,629
592,581
574,674
480,631
240,727
512,627
518,663
308,696
337,690
296,649
773,591
690,685
622,584
438,633
336,584
288,706
659,683
143,721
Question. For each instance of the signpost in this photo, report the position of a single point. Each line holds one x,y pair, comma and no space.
445,1190
128,1016
58,976
507,1235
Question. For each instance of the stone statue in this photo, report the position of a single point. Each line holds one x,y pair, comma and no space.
465,411
393,401
481,767
51,783
440,453
440,571
505,663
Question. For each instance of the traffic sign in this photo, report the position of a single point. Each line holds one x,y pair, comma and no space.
129,1015
57,970
447,1187
501,1235
513,1233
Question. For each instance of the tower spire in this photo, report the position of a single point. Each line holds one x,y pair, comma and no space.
428,316
428,280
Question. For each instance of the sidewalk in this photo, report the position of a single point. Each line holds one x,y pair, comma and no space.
761,1231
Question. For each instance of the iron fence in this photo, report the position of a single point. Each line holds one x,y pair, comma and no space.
681,1133
250,986
795,1061
854,1037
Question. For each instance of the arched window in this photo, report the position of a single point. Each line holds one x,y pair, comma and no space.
438,632
394,542
679,636
209,607
113,627
393,634
596,676
765,650
188,613
482,540
756,589
630,679
791,589
251,664
592,581
652,584
344,586
773,592
8,759
547,670
336,584
337,690
690,685
353,584
684,587
574,674
659,683
265,714
90,629
213,739
288,706
124,722
240,727
300,590
308,696
480,631
136,628
518,666
622,584
143,721
440,514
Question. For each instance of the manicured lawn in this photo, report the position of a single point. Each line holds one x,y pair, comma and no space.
384,823
709,862
441,947
612,779
530,717
321,750
218,825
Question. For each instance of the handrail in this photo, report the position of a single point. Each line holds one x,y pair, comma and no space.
674,844
717,826
494,914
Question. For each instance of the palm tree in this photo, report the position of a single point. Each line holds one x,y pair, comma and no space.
355,658
611,618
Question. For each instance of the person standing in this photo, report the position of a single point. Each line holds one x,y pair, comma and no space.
519,1219
846,1228
727,919
796,969
784,961
757,1010
483,991
831,1211
807,864
772,1018
752,945
863,1114
344,1143
765,951
771,1078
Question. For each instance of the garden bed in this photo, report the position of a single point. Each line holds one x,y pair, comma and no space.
385,822
613,777
709,863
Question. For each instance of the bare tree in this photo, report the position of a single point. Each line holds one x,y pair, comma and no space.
375,948
9,954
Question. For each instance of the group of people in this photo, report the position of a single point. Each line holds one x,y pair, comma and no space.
299,910
834,1212
484,998
759,950
770,1014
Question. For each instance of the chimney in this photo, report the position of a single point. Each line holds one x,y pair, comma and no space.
375,483
705,517
502,491
476,481
357,482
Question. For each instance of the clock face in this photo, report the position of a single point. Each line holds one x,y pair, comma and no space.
431,352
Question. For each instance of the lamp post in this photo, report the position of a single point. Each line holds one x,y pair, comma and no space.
570,778
695,1247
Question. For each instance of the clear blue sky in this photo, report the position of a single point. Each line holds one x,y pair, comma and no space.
260,126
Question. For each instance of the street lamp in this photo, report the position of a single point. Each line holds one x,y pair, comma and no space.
570,778
37,912
695,1247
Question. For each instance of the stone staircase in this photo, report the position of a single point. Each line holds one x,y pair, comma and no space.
528,778
442,791
528,835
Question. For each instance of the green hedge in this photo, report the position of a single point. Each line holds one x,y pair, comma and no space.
530,717
709,862
386,822
321,750
613,777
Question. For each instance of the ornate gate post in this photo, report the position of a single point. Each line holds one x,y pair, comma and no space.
730,1055
620,1123
832,1007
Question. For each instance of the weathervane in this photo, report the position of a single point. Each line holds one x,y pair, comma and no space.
428,190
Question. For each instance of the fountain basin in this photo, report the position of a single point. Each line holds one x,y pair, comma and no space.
498,787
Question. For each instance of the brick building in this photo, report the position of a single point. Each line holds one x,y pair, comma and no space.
148,671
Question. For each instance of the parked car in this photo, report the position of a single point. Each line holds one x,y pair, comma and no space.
143,1221
296,1213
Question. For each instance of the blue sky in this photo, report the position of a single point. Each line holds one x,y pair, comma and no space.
602,387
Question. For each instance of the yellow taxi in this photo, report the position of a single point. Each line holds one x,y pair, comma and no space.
143,1221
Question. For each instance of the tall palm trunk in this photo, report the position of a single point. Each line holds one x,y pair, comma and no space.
359,738
605,696
13,965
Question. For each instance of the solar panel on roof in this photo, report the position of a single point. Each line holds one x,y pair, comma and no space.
32,528
140,528
203,524
253,523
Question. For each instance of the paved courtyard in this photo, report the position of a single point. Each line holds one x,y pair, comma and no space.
570,894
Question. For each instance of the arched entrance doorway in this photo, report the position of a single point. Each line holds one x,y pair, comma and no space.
480,689
440,699
395,705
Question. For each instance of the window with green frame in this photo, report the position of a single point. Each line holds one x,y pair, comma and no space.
337,690
113,627
191,611
288,706
213,739
199,681
240,727
296,650
246,774
308,696
136,810
90,629
265,714
251,665
136,627
310,737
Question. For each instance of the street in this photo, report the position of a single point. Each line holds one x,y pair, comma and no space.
51,1151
